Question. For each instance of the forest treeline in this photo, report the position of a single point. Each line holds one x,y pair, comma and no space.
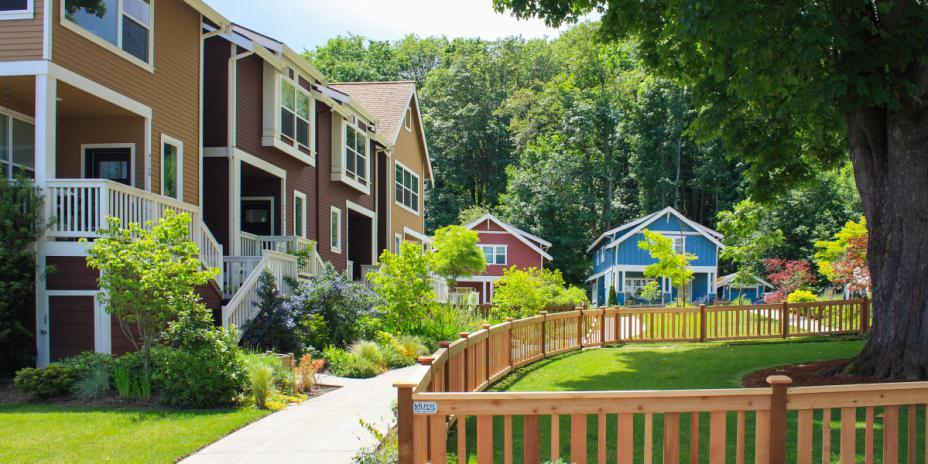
570,136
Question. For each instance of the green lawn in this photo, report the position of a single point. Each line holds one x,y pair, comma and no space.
51,433
669,366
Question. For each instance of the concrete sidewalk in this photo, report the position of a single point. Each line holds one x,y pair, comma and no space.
322,430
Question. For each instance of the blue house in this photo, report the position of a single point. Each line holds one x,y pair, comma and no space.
730,290
620,264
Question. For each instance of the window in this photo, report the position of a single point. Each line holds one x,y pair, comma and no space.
16,9
355,154
172,166
335,230
407,120
634,285
407,188
299,214
295,108
397,241
17,147
679,244
495,254
126,24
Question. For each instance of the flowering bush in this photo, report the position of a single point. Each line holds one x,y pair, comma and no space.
330,309
274,327
787,276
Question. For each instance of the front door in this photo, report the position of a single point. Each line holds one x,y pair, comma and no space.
109,163
258,216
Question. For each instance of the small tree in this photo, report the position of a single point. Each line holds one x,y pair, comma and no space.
148,276
611,299
651,291
404,286
273,328
456,253
21,223
525,292
844,259
670,264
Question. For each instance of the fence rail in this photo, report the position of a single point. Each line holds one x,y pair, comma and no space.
447,388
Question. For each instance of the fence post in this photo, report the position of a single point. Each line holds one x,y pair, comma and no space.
702,323
466,359
404,431
602,328
580,330
544,323
487,351
864,314
779,384
784,319
617,322
509,336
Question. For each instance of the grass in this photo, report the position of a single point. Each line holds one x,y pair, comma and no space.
38,433
669,366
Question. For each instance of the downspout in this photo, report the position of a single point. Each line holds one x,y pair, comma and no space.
234,174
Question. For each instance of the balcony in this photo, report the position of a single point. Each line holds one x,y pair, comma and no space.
79,208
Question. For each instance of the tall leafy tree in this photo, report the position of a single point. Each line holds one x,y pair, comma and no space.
355,58
455,253
792,86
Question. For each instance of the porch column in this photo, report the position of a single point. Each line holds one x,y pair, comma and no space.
235,204
46,106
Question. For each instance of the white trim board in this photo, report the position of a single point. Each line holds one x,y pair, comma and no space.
512,230
670,211
168,140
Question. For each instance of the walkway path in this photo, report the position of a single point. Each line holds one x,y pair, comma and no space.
322,430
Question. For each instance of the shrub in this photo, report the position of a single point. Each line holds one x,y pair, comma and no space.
94,384
273,328
307,369
405,288
456,253
22,214
525,292
199,365
282,376
800,296
129,377
368,351
400,352
331,309
345,364
444,323
54,380
261,378
84,362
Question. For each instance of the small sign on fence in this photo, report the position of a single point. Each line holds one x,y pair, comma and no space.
424,407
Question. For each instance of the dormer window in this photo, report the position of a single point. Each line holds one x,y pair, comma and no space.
122,25
356,154
294,113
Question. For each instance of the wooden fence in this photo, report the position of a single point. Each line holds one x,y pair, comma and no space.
447,388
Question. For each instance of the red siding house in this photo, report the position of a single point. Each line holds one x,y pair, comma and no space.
504,246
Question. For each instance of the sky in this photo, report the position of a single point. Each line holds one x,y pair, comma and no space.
305,24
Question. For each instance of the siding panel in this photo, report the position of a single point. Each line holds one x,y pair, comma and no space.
22,39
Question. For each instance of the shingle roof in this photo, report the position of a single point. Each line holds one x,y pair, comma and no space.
387,101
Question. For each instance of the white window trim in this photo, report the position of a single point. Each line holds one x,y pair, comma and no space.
302,196
79,30
130,146
24,118
397,241
367,154
494,245
675,237
167,139
336,248
28,13
272,135
418,183
273,210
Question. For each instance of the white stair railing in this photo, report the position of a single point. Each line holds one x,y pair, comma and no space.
244,304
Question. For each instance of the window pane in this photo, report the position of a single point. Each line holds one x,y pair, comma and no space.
298,216
350,136
415,202
286,122
350,162
302,105
4,142
135,39
361,145
302,133
415,185
13,5
169,170
334,229
23,143
287,94
138,10
407,197
488,254
362,167
99,17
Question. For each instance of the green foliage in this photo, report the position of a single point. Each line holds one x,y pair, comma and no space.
651,291
443,322
831,253
199,365
801,296
21,222
455,253
748,239
347,364
404,286
274,327
611,299
471,214
54,380
524,292
260,377
130,378
330,309
670,264
94,384
148,276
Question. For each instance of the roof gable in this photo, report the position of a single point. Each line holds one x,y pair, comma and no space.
644,222
524,237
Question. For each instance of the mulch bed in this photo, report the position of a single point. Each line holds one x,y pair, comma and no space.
809,374
320,390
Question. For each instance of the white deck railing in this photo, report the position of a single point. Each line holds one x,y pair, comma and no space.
244,304
253,245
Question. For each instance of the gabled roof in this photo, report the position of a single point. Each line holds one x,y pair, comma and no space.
641,223
726,279
524,237
388,101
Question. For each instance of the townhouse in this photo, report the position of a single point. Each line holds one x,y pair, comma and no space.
130,108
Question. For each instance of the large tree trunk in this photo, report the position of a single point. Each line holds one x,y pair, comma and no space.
889,150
